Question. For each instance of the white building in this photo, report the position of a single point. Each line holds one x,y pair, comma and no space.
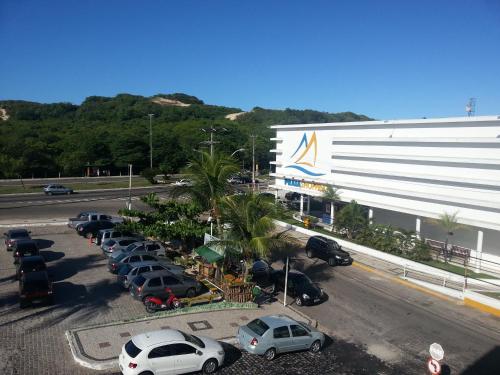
404,171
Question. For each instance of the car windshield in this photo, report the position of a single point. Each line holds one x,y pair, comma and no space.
109,243
258,326
302,279
193,340
131,349
124,270
139,280
120,256
130,247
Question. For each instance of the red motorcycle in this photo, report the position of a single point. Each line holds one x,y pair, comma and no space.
154,304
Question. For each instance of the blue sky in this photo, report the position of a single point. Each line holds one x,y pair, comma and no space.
385,59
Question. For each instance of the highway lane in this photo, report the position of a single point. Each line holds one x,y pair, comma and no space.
8,201
65,180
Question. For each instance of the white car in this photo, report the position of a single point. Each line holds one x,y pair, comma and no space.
183,182
170,351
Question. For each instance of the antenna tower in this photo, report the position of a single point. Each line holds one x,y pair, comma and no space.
470,107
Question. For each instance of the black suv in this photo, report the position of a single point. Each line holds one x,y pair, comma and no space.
30,264
33,287
24,248
14,235
327,249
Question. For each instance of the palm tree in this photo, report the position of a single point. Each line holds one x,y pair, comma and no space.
332,195
352,218
209,176
448,222
251,230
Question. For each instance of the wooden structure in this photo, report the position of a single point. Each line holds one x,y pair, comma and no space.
238,292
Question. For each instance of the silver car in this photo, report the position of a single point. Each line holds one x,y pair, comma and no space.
57,189
152,247
273,334
116,244
129,271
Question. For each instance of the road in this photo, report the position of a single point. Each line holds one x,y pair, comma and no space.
397,323
65,180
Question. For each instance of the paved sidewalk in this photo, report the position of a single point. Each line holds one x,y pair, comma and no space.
98,347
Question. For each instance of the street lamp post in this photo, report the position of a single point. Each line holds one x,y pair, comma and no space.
253,161
129,203
238,150
211,142
151,140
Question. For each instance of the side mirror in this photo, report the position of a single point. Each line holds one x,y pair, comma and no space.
199,352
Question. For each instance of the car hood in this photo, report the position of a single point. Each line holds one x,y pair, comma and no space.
210,344
312,290
341,253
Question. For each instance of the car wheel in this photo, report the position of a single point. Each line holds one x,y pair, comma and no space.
210,366
309,253
49,193
270,354
22,304
150,306
272,289
68,193
332,262
315,346
146,373
88,235
298,301
190,293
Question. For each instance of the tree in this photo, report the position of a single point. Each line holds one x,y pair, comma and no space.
352,219
332,195
209,175
448,222
251,230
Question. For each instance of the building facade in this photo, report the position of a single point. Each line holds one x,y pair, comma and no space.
405,171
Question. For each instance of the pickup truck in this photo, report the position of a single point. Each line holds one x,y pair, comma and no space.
86,216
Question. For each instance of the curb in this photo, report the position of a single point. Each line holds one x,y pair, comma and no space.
83,360
482,307
40,224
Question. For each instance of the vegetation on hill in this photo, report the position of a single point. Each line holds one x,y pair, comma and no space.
43,140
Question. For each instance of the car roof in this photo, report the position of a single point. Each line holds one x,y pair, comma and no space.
144,263
150,275
148,339
142,252
18,230
33,258
274,321
25,241
34,276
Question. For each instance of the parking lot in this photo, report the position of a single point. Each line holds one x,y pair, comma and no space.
33,339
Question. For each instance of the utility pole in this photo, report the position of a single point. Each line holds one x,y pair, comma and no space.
129,203
253,161
151,140
211,142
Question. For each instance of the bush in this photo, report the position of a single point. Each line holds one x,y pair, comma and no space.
149,174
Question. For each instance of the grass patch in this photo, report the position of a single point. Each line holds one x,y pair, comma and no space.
17,189
492,294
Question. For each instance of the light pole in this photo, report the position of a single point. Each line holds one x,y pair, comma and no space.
129,203
151,140
238,150
211,142
253,161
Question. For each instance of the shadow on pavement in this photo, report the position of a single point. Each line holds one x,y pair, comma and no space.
51,256
44,244
487,364
232,355
68,267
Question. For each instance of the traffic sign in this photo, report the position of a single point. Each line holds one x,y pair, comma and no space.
436,352
434,366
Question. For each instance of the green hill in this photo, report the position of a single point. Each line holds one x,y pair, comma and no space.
43,140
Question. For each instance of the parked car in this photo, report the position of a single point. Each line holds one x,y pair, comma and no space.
30,264
117,244
327,249
24,248
273,334
57,189
34,287
91,228
183,182
106,234
115,263
299,286
129,271
261,273
155,283
85,217
153,247
160,352
13,235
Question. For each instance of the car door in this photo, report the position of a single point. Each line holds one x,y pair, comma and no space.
162,360
132,259
300,337
174,284
282,340
147,258
143,270
186,359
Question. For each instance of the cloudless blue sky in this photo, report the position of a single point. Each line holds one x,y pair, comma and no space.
385,59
